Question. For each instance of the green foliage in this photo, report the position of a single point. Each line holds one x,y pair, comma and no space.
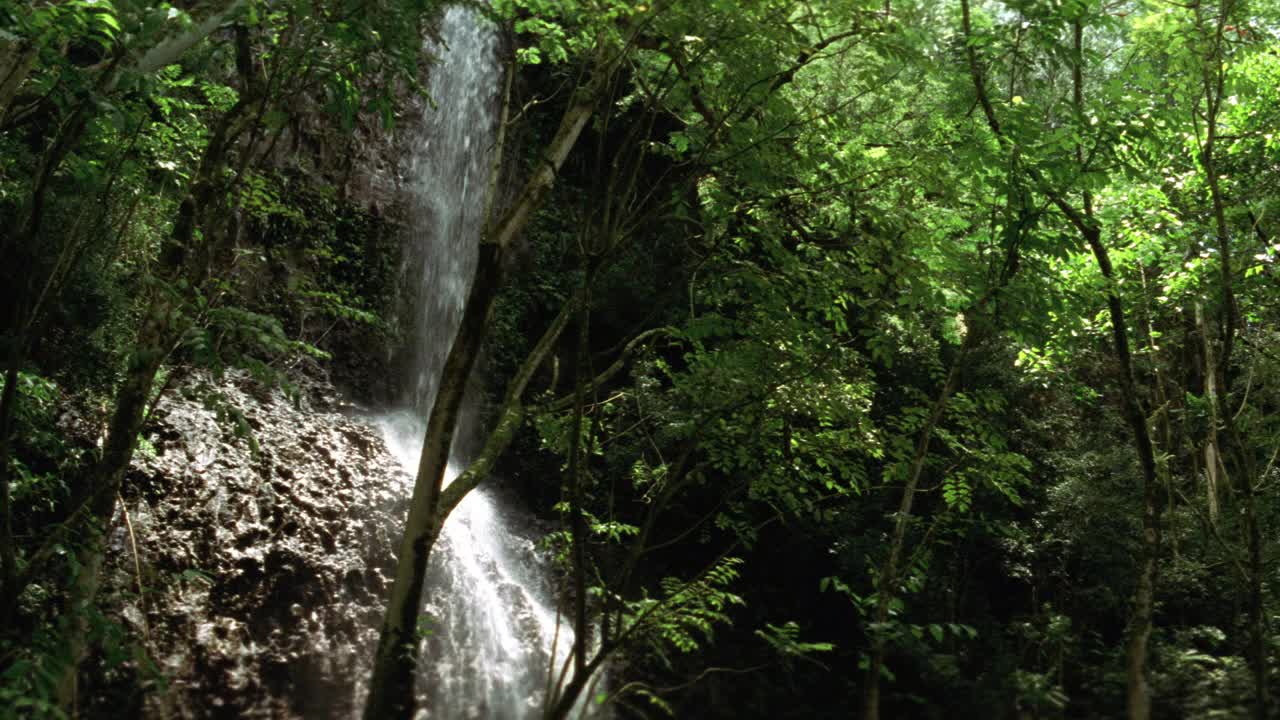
561,32
786,641
685,615
40,465
814,200
29,684
323,264
1197,678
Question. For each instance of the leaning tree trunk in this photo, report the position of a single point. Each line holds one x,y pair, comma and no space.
1213,79
1137,694
391,688
122,437
162,327
1138,635
397,647
887,581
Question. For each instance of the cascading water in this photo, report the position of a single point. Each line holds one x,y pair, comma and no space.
492,623
448,179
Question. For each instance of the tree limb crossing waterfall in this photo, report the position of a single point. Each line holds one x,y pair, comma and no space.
491,624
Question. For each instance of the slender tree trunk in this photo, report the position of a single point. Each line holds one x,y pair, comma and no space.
1212,448
162,326
122,436
1137,695
392,685
887,582
391,690
391,694
1213,79
1163,425
577,525
8,553
567,698
1137,699
172,49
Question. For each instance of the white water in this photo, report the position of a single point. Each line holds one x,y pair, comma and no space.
492,619
448,178
492,624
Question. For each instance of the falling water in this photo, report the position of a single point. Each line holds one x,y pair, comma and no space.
492,623
448,181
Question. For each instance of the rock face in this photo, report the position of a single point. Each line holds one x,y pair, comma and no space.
263,531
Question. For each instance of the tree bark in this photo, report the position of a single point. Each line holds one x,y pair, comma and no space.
1212,449
1213,79
163,325
566,699
577,525
122,436
1217,391
16,62
1137,699
1164,427
172,49
1137,695
397,647
391,688
888,578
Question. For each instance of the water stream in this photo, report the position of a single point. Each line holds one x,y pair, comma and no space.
492,620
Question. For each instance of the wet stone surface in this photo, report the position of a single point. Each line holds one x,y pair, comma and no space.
263,531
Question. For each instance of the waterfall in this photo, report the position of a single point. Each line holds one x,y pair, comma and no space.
448,176
491,623
491,619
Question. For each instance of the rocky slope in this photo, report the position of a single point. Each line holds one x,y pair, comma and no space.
256,554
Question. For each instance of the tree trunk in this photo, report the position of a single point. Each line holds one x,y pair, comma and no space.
1213,79
1212,449
172,49
122,437
1137,700
577,525
391,688
1137,696
161,328
888,579
566,699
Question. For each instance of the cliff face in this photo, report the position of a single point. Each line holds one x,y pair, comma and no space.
258,548
326,237
257,551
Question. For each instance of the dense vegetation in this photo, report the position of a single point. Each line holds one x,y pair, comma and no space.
894,359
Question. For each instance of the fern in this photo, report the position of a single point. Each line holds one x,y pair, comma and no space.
686,615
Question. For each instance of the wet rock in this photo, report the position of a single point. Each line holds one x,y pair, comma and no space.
264,570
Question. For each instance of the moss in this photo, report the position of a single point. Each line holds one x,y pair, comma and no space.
326,268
